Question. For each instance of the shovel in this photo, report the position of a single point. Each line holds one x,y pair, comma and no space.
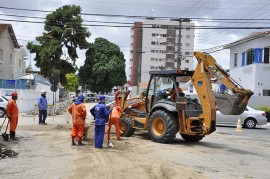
5,135
3,124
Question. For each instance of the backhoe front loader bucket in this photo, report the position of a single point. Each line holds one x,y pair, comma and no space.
230,104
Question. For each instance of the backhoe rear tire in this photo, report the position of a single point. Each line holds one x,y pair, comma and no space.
191,138
162,126
126,127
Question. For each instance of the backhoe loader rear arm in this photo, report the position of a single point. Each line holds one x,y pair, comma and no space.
209,64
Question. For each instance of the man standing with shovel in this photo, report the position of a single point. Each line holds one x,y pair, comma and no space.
13,114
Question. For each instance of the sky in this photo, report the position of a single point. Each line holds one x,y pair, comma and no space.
204,38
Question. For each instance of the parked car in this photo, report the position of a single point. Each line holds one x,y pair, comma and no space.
249,118
89,97
3,105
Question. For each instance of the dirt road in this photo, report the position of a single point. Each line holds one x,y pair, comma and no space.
45,152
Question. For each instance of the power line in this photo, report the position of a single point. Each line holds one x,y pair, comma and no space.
131,16
146,27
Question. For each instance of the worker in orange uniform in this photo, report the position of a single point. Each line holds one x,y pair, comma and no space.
13,114
173,93
115,117
78,111
115,120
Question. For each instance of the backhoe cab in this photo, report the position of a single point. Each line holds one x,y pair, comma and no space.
155,112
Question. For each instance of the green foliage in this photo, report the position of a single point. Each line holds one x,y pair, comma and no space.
263,108
63,30
72,82
104,66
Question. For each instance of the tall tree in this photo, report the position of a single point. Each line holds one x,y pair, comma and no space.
104,66
63,30
72,82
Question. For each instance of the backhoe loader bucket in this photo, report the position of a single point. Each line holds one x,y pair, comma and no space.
229,104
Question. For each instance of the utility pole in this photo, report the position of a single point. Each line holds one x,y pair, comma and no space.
139,70
179,50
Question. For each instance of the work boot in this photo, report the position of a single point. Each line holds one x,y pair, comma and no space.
12,136
80,144
73,143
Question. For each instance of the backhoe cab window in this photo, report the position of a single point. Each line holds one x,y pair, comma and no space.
164,83
160,84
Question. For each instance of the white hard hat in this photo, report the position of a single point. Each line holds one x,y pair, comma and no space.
43,91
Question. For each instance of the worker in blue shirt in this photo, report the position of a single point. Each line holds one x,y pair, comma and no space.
100,113
42,107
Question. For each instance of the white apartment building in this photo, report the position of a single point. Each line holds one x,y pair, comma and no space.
155,45
250,67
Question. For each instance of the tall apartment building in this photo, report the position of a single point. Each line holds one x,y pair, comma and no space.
155,45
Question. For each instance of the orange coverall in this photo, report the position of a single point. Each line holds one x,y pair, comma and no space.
13,114
78,120
115,120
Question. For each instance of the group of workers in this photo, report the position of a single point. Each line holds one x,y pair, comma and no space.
100,112
78,111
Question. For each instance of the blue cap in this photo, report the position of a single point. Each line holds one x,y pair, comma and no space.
79,99
101,97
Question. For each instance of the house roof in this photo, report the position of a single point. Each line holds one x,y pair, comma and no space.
250,37
3,27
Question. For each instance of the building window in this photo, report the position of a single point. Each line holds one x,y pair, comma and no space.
250,56
188,36
153,34
1,55
10,59
235,60
152,67
153,43
266,55
153,51
186,53
153,59
20,63
187,61
266,92
187,45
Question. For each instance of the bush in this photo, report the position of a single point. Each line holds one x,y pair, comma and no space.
263,108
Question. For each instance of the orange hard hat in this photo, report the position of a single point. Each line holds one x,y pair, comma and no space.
14,94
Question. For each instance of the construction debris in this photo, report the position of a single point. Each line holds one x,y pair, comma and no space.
5,152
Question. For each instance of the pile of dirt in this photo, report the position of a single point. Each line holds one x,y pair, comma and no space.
61,127
5,152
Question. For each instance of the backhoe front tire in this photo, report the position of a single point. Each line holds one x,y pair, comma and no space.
126,127
191,138
162,126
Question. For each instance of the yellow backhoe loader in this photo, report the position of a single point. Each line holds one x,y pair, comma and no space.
163,118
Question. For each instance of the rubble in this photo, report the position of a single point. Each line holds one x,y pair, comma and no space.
59,108
5,152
